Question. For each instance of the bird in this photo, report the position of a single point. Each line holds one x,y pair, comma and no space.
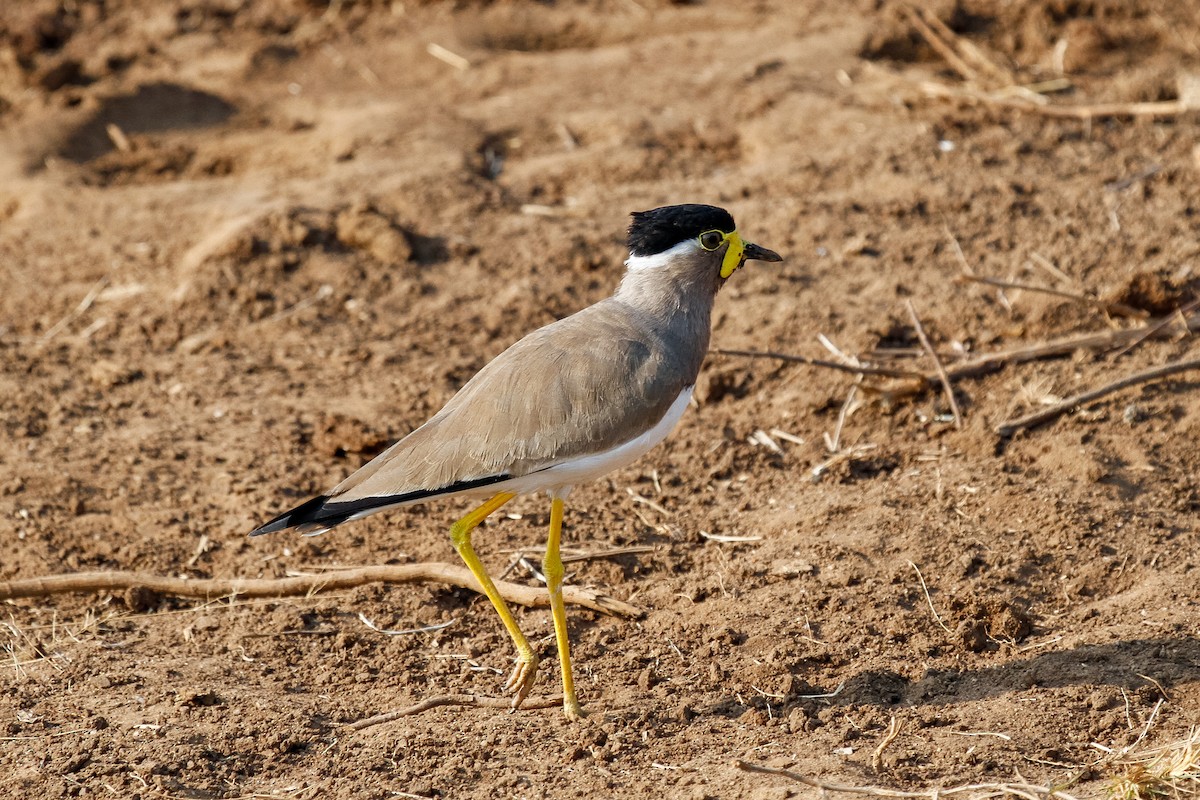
566,404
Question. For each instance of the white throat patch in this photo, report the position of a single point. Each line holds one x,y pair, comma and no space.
660,260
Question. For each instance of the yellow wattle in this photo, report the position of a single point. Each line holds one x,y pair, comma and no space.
733,254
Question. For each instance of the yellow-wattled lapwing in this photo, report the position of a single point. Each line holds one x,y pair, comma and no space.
568,403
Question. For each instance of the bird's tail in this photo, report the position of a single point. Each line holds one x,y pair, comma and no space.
324,512
310,518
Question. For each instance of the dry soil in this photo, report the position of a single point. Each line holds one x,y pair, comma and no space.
244,245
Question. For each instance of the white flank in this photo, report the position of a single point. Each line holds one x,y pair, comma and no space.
659,260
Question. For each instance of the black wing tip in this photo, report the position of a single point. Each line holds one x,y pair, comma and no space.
322,513
305,514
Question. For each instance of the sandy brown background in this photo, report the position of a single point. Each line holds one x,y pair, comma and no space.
243,245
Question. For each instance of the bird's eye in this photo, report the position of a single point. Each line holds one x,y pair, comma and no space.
711,240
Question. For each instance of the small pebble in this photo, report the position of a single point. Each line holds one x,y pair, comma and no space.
1135,413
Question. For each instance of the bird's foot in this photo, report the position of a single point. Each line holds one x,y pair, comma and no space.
521,680
573,710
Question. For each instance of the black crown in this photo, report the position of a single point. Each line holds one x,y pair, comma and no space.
659,229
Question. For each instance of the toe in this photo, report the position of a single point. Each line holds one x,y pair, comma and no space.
520,682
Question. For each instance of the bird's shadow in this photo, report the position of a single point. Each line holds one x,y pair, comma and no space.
1132,664
1129,664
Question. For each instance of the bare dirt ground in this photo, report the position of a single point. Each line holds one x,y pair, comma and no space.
243,245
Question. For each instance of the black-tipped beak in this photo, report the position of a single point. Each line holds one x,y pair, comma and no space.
755,253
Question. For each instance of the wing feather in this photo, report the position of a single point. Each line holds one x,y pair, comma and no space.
578,386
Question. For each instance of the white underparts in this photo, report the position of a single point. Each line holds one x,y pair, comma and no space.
660,260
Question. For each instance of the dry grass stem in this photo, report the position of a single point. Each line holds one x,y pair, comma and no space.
407,631
1145,728
958,251
1009,427
928,599
532,569
941,47
202,547
1161,691
835,351
616,552
453,700
889,736
937,363
1137,177
785,436
324,292
761,437
834,443
117,137
1026,790
1003,736
725,539
77,312
1039,260
1172,770
637,498
542,210
1178,317
569,140
823,695
970,53
1084,112
50,735
1039,645
818,472
435,572
447,56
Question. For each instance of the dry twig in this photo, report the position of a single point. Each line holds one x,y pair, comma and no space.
451,574
854,369
941,47
1009,427
453,700
991,362
1085,112
965,58
1105,340
1113,308
1178,315
569,557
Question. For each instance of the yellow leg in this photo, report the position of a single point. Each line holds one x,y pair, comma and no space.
552,567
523,674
